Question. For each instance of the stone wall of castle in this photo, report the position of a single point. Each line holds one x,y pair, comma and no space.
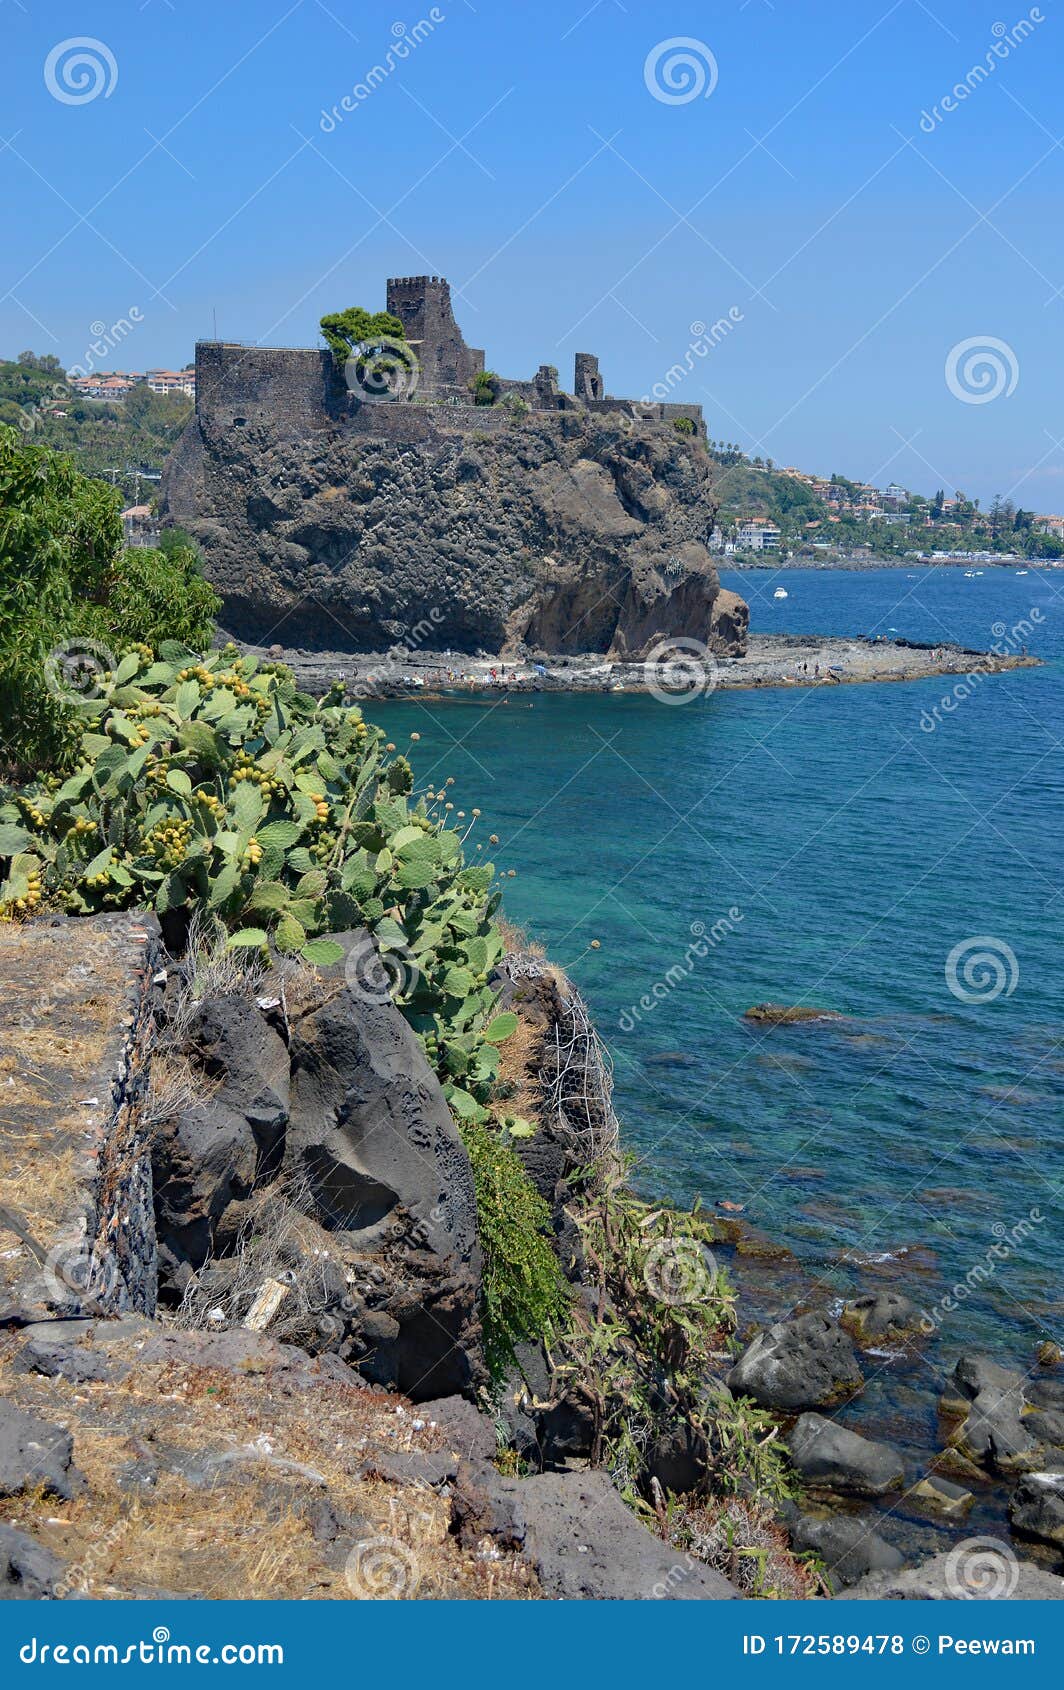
297,389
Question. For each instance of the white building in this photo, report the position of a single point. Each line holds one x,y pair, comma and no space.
1050,525
757,534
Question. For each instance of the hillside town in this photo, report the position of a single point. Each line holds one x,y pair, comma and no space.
115,384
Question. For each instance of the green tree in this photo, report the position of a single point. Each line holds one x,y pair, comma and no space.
67,581
344,330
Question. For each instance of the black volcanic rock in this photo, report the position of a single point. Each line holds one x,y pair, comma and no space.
405,525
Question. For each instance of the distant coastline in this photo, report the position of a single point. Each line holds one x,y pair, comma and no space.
919,560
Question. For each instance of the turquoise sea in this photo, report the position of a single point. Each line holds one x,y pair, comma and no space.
849,850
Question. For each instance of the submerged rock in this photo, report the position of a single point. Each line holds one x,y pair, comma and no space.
806,1362
939,1497
783,1015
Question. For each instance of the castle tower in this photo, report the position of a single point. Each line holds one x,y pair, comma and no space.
587,383
423,306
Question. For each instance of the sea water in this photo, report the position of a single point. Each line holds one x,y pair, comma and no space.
826,846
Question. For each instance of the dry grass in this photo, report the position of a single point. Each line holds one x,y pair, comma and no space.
744,1542
249,1531
519,1064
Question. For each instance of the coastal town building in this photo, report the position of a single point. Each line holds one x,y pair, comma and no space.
140,526
1050,525
116,384
757,534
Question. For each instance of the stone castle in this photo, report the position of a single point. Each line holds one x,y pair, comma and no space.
236,383
337,516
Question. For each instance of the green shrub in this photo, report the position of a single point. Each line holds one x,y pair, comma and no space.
683,425
485,387
66,581
212,785
525,1294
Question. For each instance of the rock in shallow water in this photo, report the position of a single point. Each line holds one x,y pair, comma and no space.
831,1457
807,1362
1036,1509
848,1546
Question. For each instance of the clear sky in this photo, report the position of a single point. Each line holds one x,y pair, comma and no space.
796,175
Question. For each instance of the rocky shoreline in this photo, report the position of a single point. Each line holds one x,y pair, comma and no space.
681,669
313,1380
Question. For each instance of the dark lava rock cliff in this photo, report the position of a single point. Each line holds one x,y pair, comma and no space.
435,529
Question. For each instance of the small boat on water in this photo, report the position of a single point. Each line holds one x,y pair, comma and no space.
780,593
1021,571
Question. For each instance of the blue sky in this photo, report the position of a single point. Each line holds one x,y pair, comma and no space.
525,152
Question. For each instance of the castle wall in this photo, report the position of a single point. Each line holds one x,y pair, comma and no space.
296,389
288,386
